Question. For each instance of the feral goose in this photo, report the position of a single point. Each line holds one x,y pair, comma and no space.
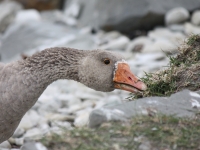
23,81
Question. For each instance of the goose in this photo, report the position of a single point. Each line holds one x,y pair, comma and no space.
23,81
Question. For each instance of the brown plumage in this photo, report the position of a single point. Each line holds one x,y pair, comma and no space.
22,82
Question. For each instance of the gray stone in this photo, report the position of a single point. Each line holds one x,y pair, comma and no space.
20,38
27,15
181,104
31,119
176,16
8,12
161,45
191,29
163,33
61,124
30,145
177,28
196,18
97,117
127,15
143,41
16,141
18,132
144,143
73,10
116,44
82,118
53,16
58,16
34,133
5,145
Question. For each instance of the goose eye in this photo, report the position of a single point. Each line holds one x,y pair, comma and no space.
106,61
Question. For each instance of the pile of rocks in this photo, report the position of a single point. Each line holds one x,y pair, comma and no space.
127,15
66,103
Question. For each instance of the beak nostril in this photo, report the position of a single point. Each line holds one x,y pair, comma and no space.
130,78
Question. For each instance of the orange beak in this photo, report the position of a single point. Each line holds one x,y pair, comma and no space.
125,80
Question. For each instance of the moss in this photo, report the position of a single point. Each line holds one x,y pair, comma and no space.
160,131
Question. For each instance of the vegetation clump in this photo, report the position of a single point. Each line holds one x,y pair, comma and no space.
157,132
182,73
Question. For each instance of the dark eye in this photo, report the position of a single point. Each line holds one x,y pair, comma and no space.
106,61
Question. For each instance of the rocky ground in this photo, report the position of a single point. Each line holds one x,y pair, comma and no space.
70,105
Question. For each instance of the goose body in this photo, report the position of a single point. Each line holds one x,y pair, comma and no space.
23,81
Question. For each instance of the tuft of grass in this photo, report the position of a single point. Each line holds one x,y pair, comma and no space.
193,40
160,132
183,72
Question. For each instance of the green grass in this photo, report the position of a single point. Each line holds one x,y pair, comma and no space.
161,132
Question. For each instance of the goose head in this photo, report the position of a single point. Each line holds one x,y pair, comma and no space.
106,71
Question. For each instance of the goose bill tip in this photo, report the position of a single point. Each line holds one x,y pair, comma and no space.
124,79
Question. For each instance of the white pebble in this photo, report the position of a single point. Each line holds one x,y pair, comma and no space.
176,16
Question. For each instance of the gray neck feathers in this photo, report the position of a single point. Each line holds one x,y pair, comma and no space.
53,64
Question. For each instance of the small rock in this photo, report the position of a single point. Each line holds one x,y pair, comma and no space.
176,28
40,146
86,96
73,10
161,45
116,44
191,29
82,41
17,141
44,127
8,12
84,105
34,133
82,120
31,119
176,16
53,16
144,143
179,104
112,100
109,36
30,145
143,41
58,117
56,130
5,145
196,18
70,21
49,102
99,116
69,99
27,15
57,16
165,34
18,132
61,124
